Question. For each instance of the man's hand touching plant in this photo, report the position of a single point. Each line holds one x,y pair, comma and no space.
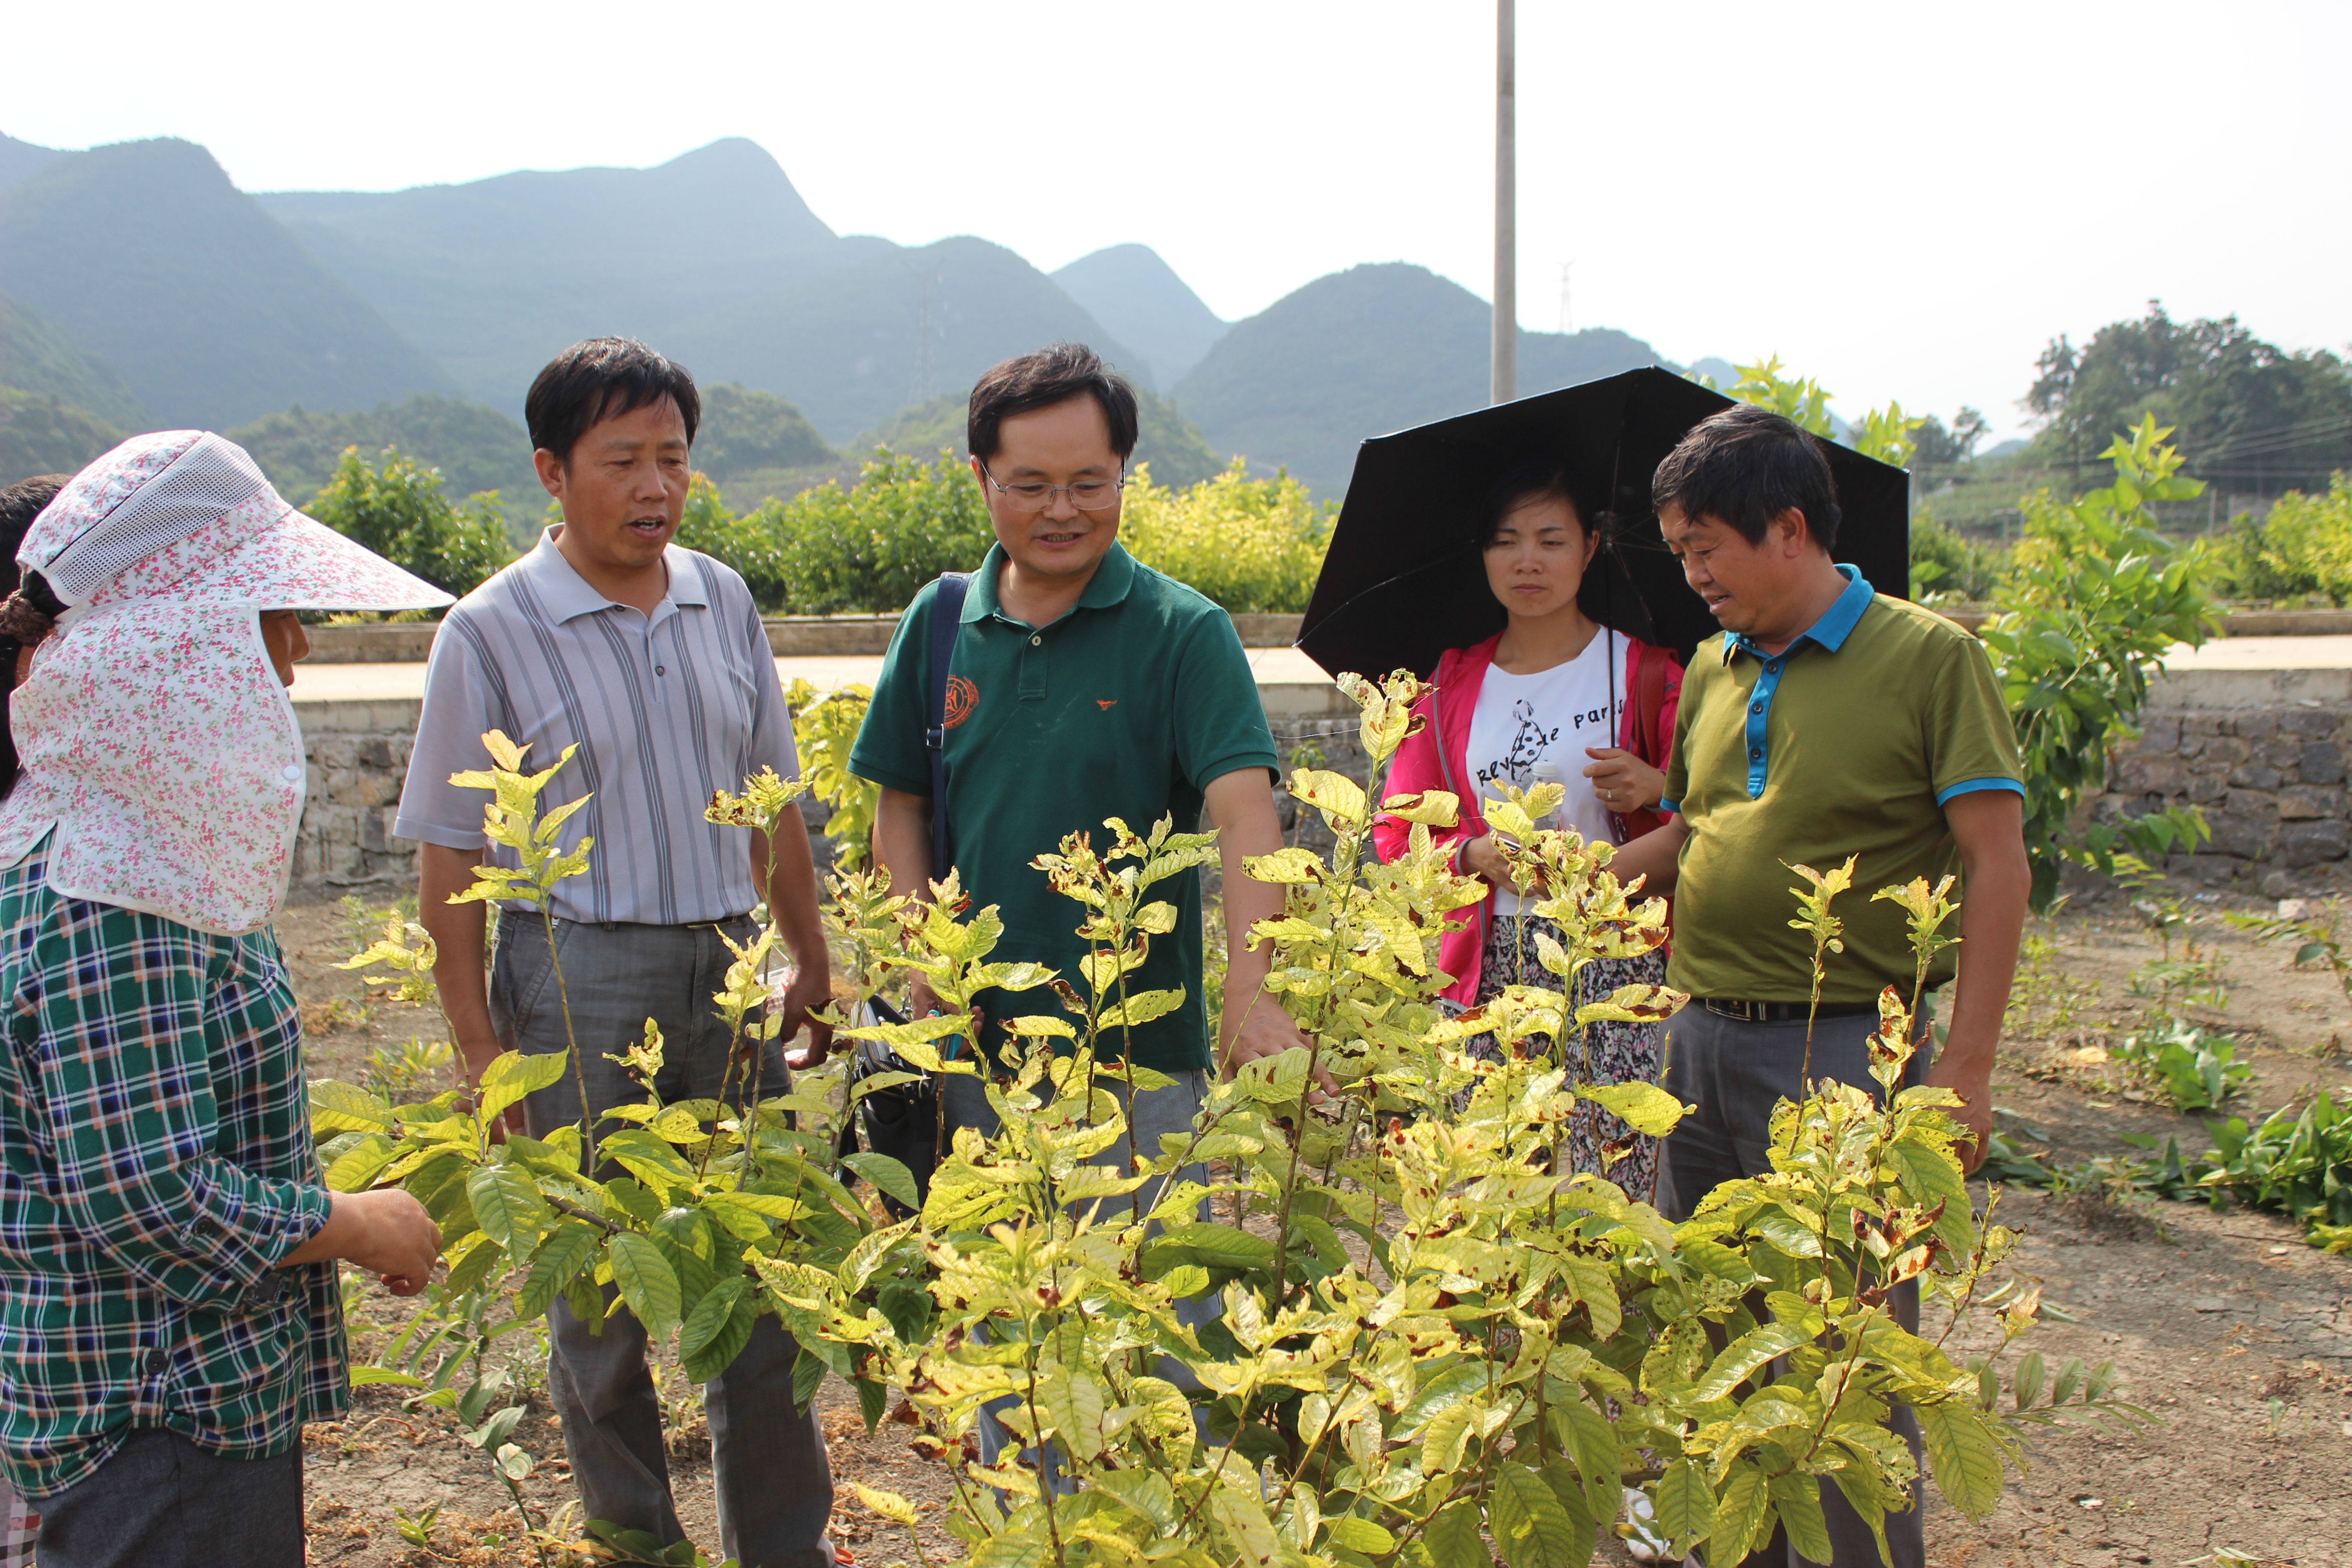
1255,1026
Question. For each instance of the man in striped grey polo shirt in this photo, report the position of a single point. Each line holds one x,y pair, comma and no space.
650,659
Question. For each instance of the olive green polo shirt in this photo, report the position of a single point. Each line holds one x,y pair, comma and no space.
1129,706
1849,742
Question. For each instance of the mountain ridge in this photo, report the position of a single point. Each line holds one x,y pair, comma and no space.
1378,347
1132,291
212,312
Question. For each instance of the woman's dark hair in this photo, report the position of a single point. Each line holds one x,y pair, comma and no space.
1745,466
600,379
1054,374
20,503
1533,479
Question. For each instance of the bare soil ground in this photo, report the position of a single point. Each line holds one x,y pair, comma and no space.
2231,1332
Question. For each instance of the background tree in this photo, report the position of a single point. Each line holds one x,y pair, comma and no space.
2249,416
41,435
473,448
1933,447
743,431
395,508
1179,454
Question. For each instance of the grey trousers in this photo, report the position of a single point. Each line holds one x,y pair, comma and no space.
1735,1072
163,1502
1157,1111
768,1462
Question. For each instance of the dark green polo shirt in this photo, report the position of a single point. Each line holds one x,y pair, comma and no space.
1848,742
1129,706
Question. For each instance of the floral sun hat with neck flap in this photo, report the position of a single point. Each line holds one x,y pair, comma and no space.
159,746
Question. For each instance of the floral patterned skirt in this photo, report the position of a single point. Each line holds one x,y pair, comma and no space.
1597,1141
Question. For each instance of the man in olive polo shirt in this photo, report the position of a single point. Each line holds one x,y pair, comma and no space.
1084,686
1827,721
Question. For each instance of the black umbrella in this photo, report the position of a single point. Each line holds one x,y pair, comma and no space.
1405,580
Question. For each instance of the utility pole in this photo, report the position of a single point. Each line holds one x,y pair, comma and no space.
1567,319
1506,383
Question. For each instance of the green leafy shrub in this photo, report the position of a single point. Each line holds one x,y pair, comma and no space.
2296,1161
1883,434
1252,545
2093,597
1426,1338
40,434
743,429
824,728
396,509
862,549
475,449
2303,546
2192,1068
1946,568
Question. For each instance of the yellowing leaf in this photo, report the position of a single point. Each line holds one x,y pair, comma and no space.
1454,1538
1531,1527
345,1107
1745,1354
1684,1504
1141,1008
1243,1520
1743,1514
889,1505
1072,1402
647,1283
1964,1454
1798,1500
511,1075
1644,1107
1288,865
507,1206
1435,808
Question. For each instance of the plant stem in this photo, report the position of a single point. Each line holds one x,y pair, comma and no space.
567,1207
579,1072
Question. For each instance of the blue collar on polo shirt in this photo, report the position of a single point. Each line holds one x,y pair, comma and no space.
1828,633
566,593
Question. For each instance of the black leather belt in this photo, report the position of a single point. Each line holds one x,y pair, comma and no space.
723,923
1785,1012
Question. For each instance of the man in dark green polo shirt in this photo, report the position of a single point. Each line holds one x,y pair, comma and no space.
1084,686
1828,720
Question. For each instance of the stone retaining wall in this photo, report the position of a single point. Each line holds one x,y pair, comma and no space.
410,642
2262,753
359,753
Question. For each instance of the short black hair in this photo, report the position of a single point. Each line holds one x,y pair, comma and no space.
1533,479
1745,466
1054,374
598,379
20,503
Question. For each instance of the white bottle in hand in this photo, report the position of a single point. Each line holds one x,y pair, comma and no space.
1543,772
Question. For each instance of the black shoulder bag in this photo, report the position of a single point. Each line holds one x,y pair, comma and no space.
902,1119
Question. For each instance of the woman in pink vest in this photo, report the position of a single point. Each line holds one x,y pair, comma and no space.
1553,695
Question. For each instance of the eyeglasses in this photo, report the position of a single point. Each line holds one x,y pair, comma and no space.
1032,495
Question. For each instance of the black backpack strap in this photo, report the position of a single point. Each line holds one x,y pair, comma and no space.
947,620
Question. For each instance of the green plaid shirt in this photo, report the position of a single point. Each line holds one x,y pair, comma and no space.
155,1163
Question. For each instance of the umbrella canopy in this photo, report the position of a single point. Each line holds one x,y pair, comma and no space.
1405,579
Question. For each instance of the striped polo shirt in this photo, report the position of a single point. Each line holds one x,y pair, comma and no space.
665,709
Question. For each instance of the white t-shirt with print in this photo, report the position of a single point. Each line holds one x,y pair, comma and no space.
1552,715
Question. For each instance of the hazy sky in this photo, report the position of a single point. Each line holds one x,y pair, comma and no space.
1905,201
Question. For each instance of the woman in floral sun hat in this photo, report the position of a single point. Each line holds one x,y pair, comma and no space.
167,1277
